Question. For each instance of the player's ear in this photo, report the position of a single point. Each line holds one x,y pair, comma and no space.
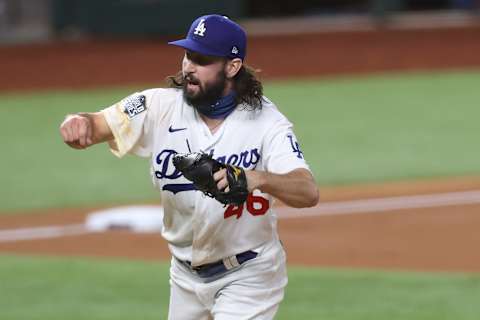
232,67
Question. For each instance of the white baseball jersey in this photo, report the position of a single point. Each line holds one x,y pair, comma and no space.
158,123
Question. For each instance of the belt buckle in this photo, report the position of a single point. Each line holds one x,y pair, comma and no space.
230,262
222,266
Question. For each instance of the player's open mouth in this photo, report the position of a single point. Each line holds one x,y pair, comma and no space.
192,85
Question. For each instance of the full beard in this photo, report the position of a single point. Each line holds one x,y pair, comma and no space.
206,95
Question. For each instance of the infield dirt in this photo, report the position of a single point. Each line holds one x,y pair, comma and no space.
442,238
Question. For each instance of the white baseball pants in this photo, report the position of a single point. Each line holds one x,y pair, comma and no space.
252,291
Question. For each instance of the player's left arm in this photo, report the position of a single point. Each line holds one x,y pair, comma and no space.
296,188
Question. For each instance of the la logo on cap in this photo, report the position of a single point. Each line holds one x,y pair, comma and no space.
200,29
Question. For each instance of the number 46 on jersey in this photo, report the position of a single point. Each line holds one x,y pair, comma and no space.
256,206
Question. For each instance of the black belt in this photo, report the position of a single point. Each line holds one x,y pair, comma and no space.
217,268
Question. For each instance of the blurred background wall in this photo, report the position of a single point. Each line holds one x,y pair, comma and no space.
42,20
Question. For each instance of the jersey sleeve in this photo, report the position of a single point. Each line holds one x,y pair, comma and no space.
281,150
132,122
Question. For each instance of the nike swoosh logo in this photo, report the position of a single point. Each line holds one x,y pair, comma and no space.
170,129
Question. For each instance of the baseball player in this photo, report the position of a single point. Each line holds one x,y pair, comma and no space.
219,152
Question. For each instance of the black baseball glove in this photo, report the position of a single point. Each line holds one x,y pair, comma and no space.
199,168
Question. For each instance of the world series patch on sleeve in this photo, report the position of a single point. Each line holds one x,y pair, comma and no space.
134,105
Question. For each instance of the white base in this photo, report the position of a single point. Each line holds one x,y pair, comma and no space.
134,218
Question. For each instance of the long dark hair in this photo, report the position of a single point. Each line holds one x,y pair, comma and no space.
248,87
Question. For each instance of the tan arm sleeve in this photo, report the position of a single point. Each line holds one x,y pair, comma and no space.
127,131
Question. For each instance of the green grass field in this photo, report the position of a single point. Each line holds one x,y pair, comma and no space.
363,129
76,289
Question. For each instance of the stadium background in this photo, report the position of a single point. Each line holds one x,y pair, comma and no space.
384,98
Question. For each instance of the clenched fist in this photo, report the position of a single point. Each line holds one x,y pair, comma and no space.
77,131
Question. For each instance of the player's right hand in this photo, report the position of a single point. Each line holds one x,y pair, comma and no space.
76,131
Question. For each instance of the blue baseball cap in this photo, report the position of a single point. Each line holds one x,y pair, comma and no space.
215,35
